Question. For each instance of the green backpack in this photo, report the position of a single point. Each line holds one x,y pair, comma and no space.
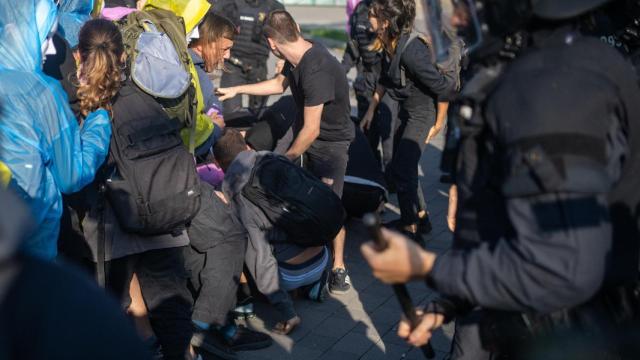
160,65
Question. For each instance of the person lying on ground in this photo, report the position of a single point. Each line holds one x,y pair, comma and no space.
277,264
215,259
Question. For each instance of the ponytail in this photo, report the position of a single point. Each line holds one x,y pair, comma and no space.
100,70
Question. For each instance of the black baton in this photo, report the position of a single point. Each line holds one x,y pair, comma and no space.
372,222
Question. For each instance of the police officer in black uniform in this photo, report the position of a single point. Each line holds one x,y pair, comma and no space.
368,64
248,62
547,238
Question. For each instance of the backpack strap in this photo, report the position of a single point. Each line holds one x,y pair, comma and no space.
197,109
101,277
414,34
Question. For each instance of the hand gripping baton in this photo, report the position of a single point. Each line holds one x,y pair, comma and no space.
372,222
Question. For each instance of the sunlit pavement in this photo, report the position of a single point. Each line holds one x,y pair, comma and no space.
361,324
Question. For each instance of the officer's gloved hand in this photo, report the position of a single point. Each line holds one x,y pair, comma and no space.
401,261
420,335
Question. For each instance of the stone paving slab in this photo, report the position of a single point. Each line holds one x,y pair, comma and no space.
362,323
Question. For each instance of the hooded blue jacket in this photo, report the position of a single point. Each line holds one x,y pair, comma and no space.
40,140
73,14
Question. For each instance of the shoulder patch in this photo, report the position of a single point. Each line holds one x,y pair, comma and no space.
424,38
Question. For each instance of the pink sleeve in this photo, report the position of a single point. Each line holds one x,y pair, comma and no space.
351,5
116,13
211,174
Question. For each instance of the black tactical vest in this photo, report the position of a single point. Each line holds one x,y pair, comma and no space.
250,44
544,127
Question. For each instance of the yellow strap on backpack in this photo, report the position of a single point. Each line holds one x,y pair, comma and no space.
5,175
98,5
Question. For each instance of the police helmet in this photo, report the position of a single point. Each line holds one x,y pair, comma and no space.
480,23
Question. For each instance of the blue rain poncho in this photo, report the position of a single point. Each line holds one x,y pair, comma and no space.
40,140
72,15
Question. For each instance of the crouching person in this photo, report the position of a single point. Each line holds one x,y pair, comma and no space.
215,258
278,261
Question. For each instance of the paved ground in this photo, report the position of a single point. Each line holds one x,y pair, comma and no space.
334,17
362,323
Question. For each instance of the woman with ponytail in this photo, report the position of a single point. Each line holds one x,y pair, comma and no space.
157,260
91,82
410,76
100,57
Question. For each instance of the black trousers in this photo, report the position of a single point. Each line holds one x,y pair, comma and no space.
163,281
215,275
215,259
235,75
409,143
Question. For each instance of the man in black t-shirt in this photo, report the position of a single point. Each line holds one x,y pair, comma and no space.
323,129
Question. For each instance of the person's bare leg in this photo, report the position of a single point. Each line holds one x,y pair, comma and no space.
338,241
339,280
285,327
138,310
453,207
338,249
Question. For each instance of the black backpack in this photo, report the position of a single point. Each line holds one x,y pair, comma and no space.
296,201
154,188
450,66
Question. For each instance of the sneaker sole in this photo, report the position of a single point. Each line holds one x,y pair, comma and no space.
243,316
339,292
347,281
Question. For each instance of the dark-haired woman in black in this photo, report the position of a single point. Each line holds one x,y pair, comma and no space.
417,91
